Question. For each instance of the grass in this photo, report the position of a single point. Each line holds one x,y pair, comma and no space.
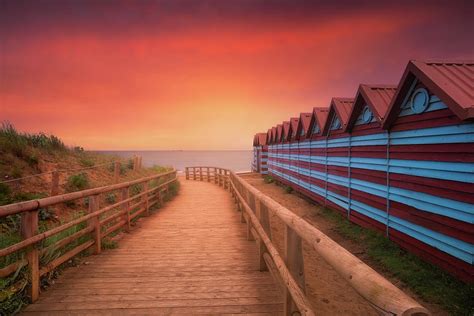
268,179
426,280
19,143
77,182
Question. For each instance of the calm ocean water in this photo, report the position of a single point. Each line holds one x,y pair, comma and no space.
236,160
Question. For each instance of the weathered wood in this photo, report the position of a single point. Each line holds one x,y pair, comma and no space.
95,223
297,295
175,263
260,244
6,271
145,198
126,208
294,262
54,183
366,281
187,173
200,173
16,208
65,257
29,228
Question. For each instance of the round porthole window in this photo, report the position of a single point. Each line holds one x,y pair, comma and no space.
367,115
420,101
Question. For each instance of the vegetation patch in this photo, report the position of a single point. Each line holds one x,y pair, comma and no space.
268,179
77,182
426,280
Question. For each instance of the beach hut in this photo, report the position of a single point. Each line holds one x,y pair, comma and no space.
272,152
367,194
294,149
337,158
284,153
430,165
262,153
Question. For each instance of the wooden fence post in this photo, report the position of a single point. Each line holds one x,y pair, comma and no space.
187,173
29,228
95,222
215,175
208,175
116,171
294,263
194,173
125,208
145,198
200,173
54,183
260,244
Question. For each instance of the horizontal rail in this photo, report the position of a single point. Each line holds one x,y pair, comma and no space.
372,286
100,222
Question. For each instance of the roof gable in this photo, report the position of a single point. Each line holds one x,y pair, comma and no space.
279,131
261,139
371,103
303,124
338,115
274,133
293,127
269,136
285,131
318,120
451,81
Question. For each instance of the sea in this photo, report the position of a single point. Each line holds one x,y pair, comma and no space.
235,160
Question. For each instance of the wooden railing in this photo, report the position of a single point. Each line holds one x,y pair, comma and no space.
288,268
101,221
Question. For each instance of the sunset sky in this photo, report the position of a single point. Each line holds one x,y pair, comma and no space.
205,74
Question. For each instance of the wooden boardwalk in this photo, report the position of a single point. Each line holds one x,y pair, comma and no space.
192,257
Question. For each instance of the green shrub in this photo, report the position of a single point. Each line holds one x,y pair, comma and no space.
86,162
5,194
109,244
135,189
130,164
288,189
111,198
268,179
77,182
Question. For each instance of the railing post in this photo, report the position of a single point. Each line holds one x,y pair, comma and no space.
294,263
187,173
261,211
116,171
54,183
125,208
95,222
215,175
208,174
194,173
29,228
146,198
200,173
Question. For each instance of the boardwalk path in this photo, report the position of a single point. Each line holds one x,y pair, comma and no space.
192,257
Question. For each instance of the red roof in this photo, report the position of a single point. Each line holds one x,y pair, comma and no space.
261,139
293,126
286,129
269,136
279,130
451,81
377,97
303,124
342,107
319,115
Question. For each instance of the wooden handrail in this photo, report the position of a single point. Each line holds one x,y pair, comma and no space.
372,286
29,223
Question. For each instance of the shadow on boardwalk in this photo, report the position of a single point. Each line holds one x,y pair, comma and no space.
191,257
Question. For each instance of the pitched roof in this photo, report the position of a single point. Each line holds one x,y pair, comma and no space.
294,125
342,107
261,139
319,115
269,136
451,81
279,131
377,97
303,124
286,129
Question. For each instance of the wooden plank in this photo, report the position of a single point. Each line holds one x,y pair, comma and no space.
29,228
191,257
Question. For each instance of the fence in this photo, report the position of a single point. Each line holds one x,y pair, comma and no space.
255,209
100,222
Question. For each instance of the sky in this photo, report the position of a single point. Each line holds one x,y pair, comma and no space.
205,75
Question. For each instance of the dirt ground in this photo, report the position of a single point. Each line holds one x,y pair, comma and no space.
328,292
